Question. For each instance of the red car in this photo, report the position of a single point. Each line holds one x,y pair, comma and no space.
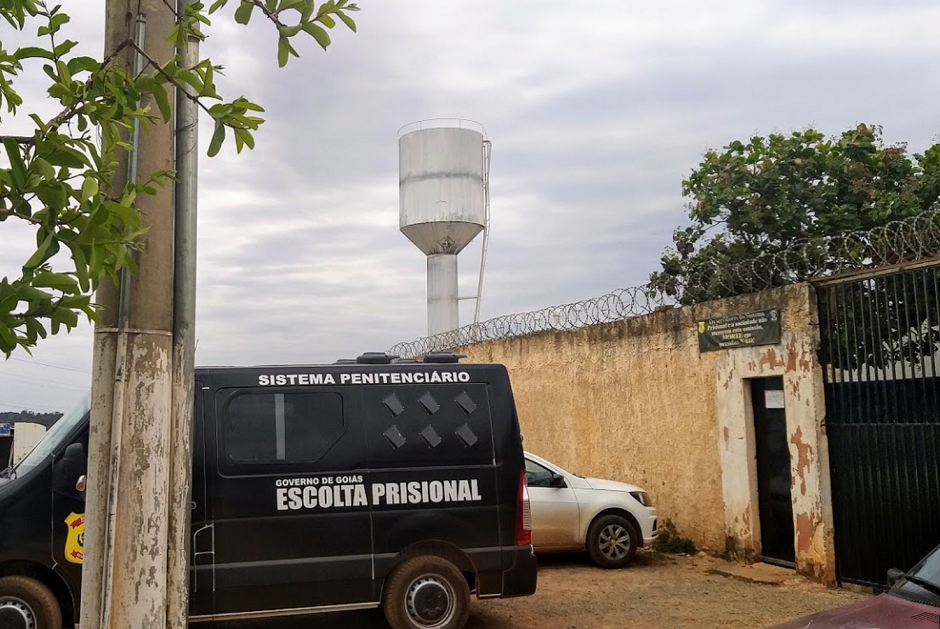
913,602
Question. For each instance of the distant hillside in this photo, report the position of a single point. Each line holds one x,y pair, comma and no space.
6,418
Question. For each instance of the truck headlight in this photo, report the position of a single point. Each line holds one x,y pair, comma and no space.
642,497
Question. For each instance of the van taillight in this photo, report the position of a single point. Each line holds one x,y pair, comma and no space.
523,514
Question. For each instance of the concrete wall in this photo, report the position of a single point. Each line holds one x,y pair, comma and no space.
636,401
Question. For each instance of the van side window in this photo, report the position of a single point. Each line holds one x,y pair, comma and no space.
281,427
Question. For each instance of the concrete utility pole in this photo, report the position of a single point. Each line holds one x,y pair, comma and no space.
184,341
129,498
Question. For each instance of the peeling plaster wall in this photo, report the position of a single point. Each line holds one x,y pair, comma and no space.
635,401
794,359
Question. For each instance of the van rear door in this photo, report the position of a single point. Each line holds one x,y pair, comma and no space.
287,499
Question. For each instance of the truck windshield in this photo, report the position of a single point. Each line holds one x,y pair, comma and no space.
53,438
928,570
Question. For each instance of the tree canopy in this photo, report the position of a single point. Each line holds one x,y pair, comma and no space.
758,198
57,177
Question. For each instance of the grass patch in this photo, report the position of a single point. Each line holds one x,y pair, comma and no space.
669,541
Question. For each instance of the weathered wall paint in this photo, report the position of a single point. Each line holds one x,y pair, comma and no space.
794,359
635,401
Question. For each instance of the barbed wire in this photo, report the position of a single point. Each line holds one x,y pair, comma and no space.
903,241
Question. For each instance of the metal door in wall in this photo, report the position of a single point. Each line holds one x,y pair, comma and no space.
773,471
880,335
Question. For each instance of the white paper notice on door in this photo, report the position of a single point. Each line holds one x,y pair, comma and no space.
773,399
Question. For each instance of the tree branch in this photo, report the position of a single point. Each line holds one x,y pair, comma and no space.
28,219
193,97
72,110
269,14
19,139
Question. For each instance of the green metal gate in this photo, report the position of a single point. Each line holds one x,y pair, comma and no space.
880,336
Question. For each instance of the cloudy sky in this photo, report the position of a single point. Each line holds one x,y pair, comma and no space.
596,112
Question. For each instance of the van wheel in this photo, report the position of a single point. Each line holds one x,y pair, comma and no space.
612,542
426,593
28,604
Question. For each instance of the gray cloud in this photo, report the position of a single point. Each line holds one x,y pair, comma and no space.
595,116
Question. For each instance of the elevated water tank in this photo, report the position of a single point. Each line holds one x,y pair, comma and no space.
443,178
441,200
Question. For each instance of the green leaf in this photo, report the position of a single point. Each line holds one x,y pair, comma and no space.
243,136
57,21
307,12
348,21
284,49
65,47
48,248
217,138
68,318
56,281
218,4
44,168
8,297
64,73
81,265
68,157
40,124
33,52
244,11
7,338
75,301
89,188
318,33
289,31
17,164
327,21
191,79
36,328
163,101
247,104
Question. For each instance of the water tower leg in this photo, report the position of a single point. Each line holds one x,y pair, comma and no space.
443,315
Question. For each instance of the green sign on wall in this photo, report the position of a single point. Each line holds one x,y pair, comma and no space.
741,330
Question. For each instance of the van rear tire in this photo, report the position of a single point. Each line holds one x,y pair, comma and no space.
426,592
27,602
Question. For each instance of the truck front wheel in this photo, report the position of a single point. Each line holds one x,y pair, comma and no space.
26,603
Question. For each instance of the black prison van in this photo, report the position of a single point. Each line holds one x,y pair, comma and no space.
366,483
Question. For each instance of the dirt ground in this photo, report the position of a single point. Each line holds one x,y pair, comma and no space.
656,592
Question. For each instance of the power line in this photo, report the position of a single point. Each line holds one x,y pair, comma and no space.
29,407
52,365
55,384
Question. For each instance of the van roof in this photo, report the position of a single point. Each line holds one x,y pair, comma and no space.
366,359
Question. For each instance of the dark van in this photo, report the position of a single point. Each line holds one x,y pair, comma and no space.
328,487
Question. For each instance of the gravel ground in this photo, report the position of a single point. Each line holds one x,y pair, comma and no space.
656,592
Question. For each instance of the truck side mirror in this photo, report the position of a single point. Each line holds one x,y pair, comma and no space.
894,575
69,472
